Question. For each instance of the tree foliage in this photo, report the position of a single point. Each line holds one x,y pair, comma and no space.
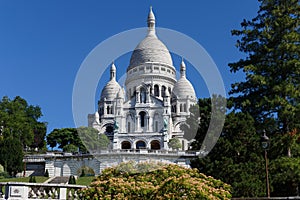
92,139
20,120
20,129
83,138
174,143
158,181
199,126
271,91
11,155
236,158
63,137
272,67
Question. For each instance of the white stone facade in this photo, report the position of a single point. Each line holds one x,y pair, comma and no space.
150,111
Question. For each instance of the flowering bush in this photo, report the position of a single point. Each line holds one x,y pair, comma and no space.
157,181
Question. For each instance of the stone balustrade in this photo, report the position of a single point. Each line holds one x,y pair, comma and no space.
67,164
20,191
41,157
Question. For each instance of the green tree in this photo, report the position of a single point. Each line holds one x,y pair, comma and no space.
197,124
271,90
20,120
272,66
84,138
174,143
92,139
160,182
285,176
65,137
237,157
39,138
11,155
70,148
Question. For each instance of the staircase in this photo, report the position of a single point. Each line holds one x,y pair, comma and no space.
59,180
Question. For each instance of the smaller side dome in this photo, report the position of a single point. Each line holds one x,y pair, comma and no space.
112,88
183,88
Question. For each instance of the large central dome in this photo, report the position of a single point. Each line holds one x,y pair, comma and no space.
151,66
151,49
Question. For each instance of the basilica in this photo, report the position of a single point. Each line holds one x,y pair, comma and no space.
149,111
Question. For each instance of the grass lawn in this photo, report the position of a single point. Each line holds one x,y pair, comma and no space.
39,179
86,180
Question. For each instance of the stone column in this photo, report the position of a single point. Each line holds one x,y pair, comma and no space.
137,123
148,123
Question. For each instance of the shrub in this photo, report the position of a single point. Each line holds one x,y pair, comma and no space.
82,173
46,173
72,180
32,179
1,169
4,175
164,182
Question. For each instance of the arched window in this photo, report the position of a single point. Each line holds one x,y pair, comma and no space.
184,107
180,109
156,90
125,145
140,145
155,144
142,118
107,110
163,91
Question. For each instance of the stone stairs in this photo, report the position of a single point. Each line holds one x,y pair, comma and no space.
59,180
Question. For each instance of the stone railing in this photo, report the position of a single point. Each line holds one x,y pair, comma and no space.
41,157
147,151
20,191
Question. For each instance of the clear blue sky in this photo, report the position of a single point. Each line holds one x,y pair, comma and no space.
43,43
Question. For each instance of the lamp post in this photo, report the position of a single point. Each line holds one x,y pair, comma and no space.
265,143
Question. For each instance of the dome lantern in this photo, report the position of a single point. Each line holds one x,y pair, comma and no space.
113,71
151,21
182,68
